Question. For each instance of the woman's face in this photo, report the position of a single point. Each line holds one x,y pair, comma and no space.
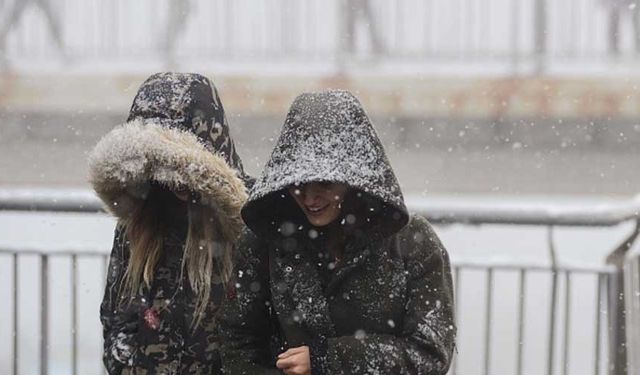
320,201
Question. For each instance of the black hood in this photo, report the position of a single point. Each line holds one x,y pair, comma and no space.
327,136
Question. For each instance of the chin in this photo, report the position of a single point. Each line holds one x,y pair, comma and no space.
320,221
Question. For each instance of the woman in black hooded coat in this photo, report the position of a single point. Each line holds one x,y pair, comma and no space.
172,178
335,276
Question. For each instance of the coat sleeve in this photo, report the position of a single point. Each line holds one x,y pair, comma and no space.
245,320
119,323
426,340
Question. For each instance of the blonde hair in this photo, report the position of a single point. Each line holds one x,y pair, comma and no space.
205,254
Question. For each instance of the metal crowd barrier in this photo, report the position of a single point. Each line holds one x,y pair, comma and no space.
617,310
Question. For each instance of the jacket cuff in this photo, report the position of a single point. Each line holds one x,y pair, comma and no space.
318,355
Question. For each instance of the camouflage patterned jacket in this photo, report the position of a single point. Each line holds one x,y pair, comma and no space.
176,135
162,343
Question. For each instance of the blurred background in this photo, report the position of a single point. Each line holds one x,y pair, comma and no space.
491,96
512,124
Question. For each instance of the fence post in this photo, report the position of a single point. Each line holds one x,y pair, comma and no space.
617,328
632,302
44,315
616,324
554,297
15,314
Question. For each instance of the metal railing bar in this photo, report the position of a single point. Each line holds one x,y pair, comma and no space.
521,217
103,274
552,307
607,313
533,267
456,297
632,296
616,329
522,214
470,265
74,314
596,362
625,297
44,313
46,199
15,315
84,200
631,289
522,280
487,323
552,323
567,322
630,314
79,252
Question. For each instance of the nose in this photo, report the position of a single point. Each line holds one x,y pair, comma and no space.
310,193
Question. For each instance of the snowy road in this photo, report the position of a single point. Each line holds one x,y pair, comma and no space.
50,149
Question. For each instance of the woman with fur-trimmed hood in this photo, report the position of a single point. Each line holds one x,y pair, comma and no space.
172,178
336,267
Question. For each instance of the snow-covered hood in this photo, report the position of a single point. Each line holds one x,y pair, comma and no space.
326,136
176,135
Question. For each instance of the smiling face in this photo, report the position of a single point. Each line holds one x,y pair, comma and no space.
320,201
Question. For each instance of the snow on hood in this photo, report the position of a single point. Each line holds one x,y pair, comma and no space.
189,102
326,136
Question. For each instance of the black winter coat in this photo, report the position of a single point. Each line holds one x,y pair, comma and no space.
385,308
176,136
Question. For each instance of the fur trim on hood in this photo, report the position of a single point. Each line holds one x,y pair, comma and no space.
131,155
176,134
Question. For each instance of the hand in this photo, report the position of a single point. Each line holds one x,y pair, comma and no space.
295,361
